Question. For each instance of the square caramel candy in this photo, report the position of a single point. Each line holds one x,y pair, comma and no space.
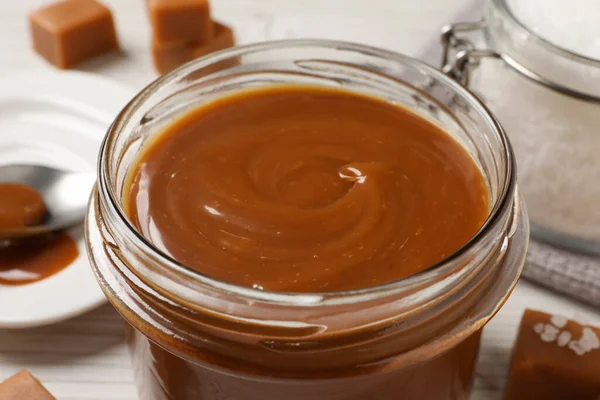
169,55
181,20
71,31
23,386
554,359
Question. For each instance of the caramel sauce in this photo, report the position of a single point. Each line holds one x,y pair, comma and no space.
306,189
20,206
28,260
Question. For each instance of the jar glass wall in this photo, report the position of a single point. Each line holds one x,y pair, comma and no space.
192,336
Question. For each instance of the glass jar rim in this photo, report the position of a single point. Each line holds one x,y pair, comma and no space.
507,13
500,208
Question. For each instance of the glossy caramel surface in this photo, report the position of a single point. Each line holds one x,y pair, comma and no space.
306,189
27,260
20,205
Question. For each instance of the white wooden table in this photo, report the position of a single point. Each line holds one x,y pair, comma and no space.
86,358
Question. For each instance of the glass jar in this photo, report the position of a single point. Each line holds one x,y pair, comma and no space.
548,99
194,337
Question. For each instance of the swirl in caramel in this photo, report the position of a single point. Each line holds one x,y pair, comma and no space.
306,189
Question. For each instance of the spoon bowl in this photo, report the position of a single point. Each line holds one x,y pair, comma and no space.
65,194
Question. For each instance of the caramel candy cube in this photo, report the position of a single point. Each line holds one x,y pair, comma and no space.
169,55
71,31
554,359
181,20
23,386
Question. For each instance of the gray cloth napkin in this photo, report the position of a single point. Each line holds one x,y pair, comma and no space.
566,272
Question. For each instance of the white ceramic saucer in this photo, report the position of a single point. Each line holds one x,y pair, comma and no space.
57,119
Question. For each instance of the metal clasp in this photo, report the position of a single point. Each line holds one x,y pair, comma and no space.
460,55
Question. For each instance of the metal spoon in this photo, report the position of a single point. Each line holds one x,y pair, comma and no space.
65,194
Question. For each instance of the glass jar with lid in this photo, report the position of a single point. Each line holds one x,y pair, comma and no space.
528,67
192,336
